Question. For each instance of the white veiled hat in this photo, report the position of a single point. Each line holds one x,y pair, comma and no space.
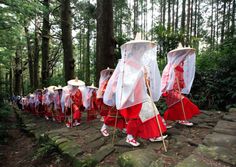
138,40
51,88
76,82
92,87
106,71
58,87
180,48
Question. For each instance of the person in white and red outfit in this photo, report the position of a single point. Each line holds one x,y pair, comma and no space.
111,116
49,102
32,103
75,101
38,102
59,116
177,79
128,91
90,102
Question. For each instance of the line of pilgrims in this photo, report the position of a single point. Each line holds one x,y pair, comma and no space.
126,95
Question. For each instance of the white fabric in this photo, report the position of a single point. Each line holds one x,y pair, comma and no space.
188,57
88,94
109,97
56,98
148,110
36,99
150,62
82,90
49,97
65,98
104,76
127,85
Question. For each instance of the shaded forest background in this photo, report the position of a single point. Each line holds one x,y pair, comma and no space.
47,42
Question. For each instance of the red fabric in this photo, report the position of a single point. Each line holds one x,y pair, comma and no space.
77,98
93,111
114,118
131,112
146,130
172,97
137,128
76,112
48,111
175,112
77,103
179,75
104,109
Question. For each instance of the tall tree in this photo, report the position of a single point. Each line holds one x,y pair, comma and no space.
195,18
36,54
173,16
45,44
164,13
136,18
223,23
17,73
87,77
30,57
188,22
66,25
183,19
233,18
169,15
177,15
105,40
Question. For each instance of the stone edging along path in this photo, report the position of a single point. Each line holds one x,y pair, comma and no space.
218,148
85,146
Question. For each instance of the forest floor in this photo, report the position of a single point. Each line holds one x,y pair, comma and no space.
20,149
210,142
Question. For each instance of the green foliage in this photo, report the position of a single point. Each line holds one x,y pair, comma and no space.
57,80
215,81
120,40
44,150
167,39
4,114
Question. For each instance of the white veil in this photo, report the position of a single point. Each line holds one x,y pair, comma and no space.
175,57
127,86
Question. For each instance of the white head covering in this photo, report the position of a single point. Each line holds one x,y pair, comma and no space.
127,84
65,98
104,76
109,97
175,57
88,94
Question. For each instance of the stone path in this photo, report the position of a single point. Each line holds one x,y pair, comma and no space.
218,148
210,142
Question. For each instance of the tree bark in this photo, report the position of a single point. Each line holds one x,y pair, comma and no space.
233,18
87,77
17,73
105,40
66,25
169,16
173,16
45,44
164,13
177,16
30,57
188,23
183,19
36,55
223,24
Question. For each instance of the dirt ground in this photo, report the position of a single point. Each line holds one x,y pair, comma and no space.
20,150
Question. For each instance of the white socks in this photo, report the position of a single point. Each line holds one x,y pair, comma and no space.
130,137
104,126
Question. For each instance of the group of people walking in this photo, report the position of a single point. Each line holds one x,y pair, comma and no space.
126,96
